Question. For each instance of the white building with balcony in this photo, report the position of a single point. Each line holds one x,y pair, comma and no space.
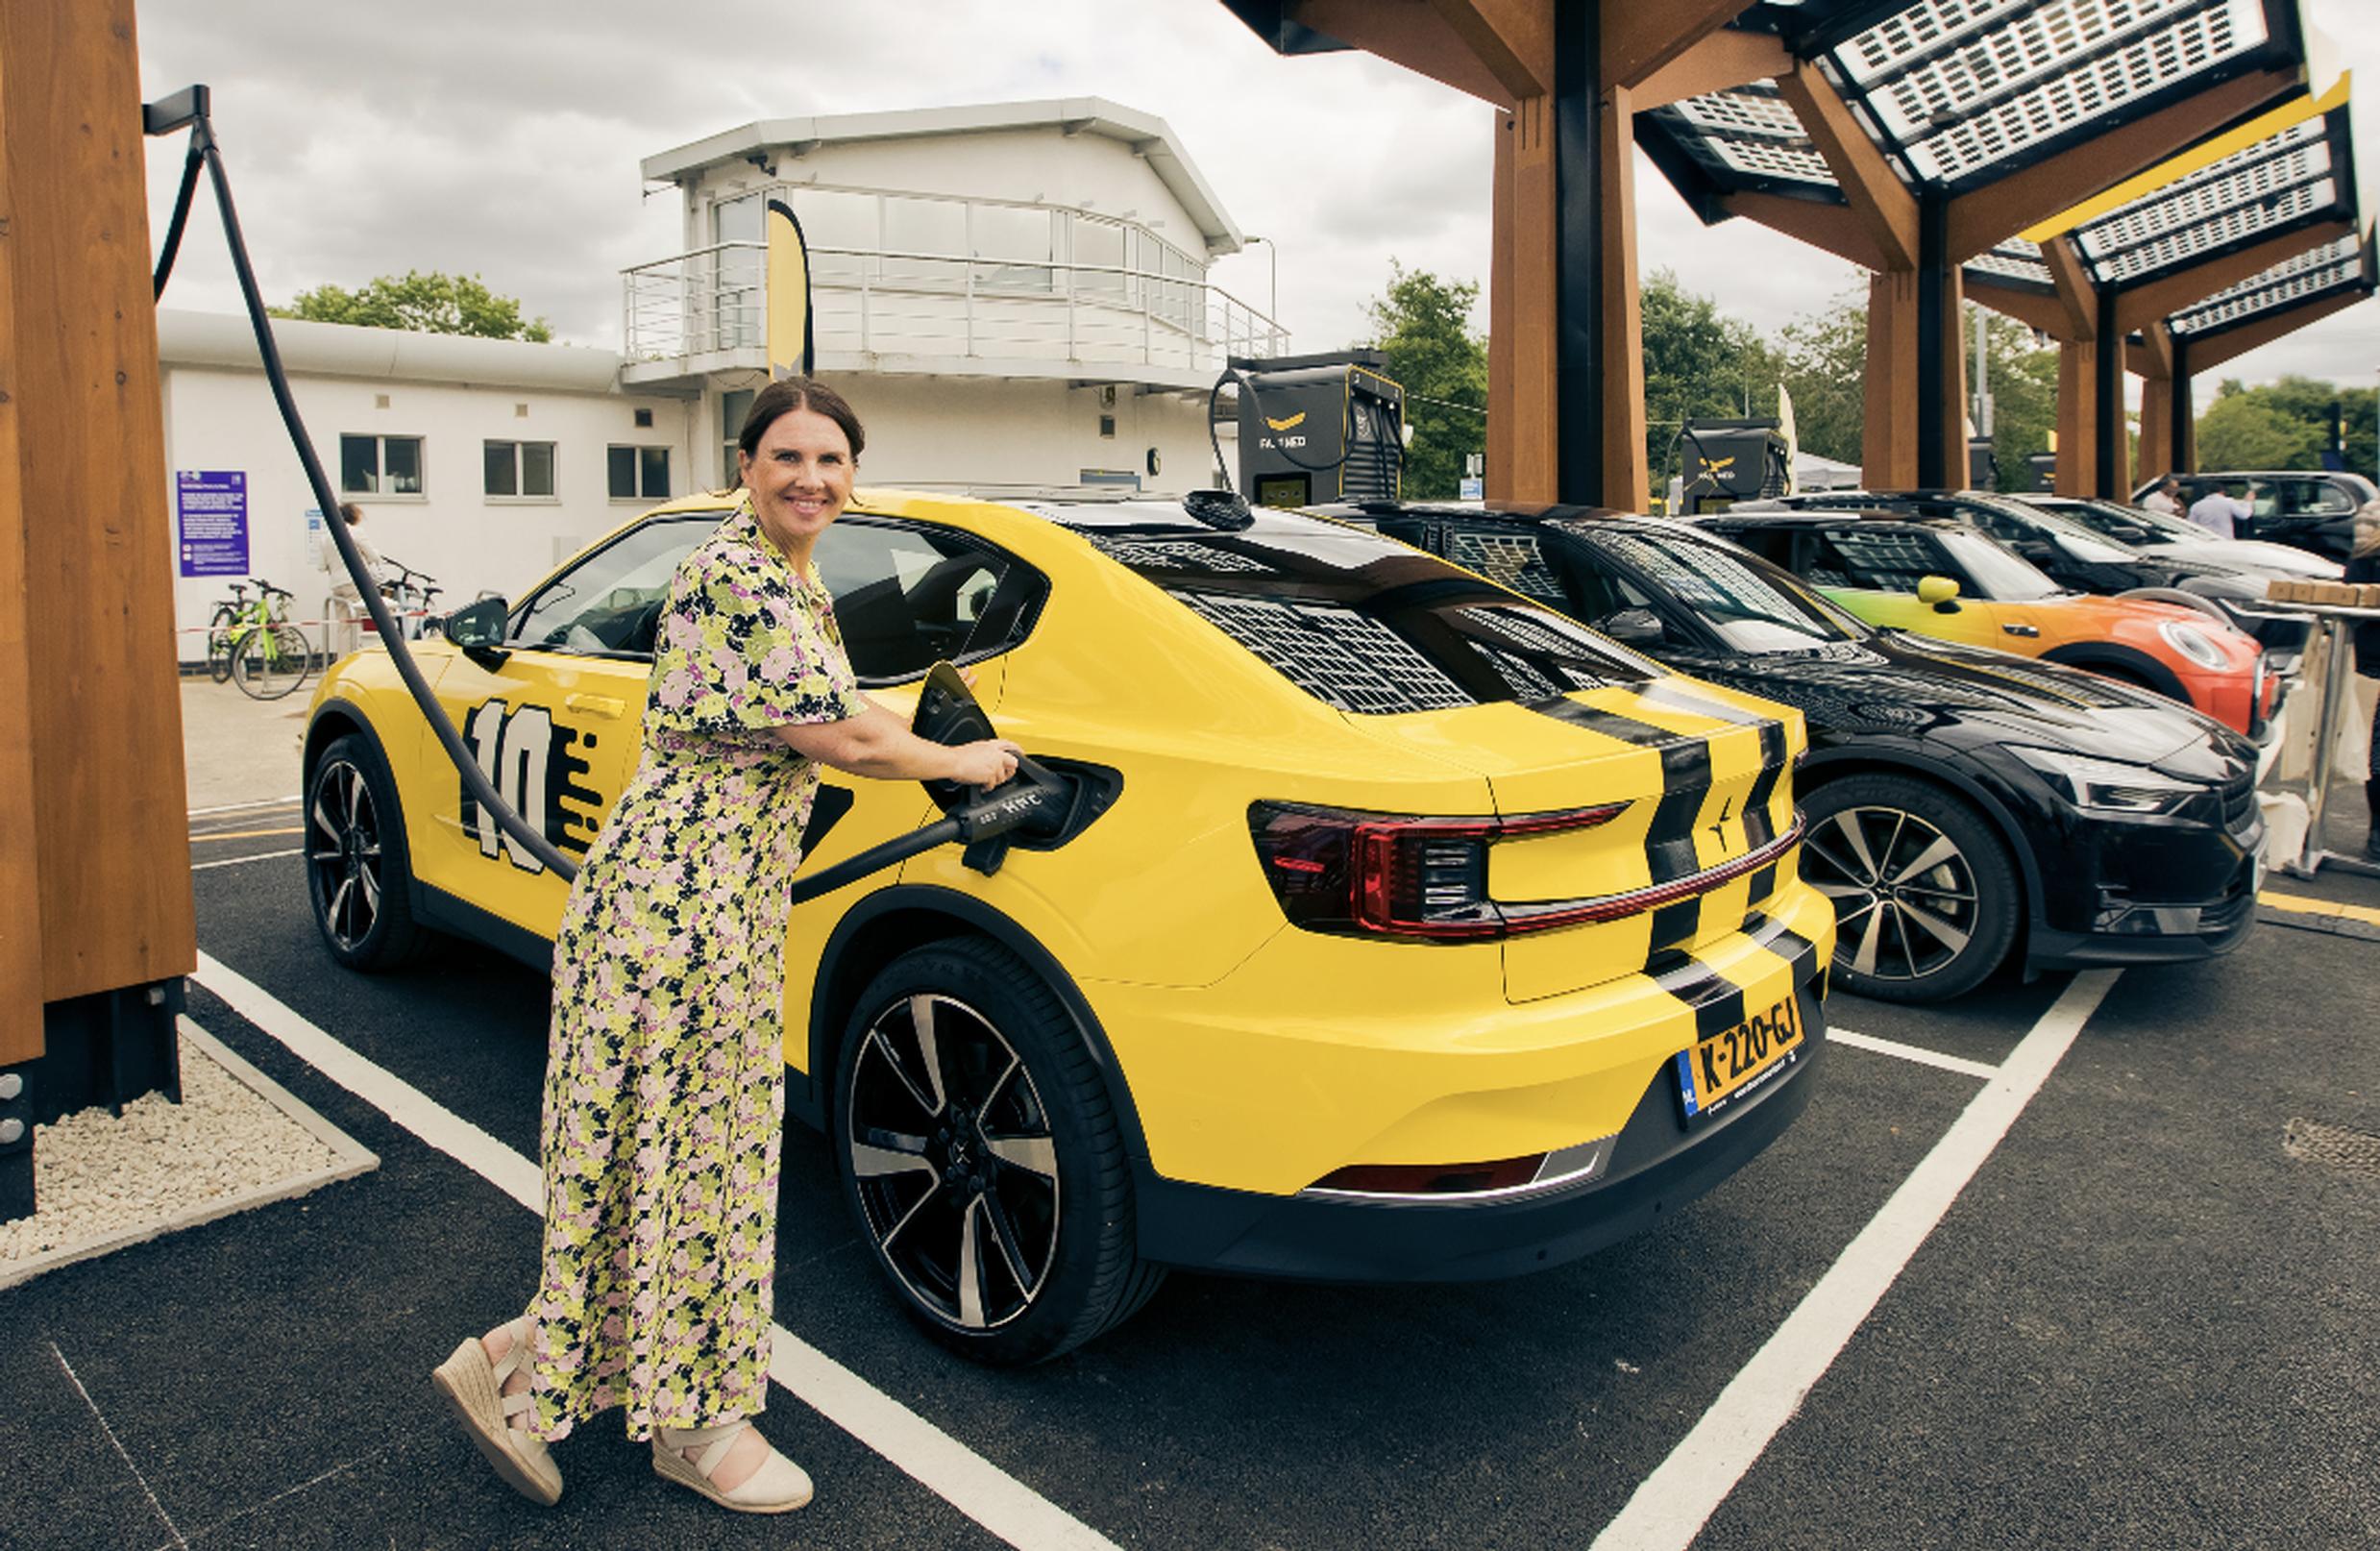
1015,296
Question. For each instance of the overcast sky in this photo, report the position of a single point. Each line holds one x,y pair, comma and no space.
504,139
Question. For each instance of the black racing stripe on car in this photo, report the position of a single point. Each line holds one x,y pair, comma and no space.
1666,694
1685,780
1781,940
1716,1001
1674,925
1764,884
1758,828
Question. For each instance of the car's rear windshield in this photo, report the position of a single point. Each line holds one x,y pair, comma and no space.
1364,623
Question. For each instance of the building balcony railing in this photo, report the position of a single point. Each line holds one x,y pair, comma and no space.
708,310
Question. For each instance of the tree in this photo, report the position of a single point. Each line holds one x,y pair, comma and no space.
1423,328
2023,377
1700,364
1826,363
2241,430
426,303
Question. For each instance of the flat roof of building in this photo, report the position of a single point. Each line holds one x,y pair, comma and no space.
1147,135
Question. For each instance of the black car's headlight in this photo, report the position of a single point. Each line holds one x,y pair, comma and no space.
2108,786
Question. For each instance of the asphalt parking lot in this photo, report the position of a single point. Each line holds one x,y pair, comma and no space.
2080,1263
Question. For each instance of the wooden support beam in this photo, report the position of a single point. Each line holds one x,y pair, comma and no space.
1722,60
2035,309
2079,418
2076,295
1640,38
2208,352
1413,34
1627,482
1888,445
2003,208
79,355
1821,224
1523,403
1512,40
2156,443
20,903
1881,204
2167,294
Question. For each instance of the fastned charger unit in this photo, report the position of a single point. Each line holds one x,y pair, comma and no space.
1732,461
1319,429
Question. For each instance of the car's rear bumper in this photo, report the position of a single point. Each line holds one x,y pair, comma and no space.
1657,1166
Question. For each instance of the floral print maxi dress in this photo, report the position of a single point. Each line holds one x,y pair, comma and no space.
665,1084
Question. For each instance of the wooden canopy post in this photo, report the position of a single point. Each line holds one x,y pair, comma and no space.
2154,361
100,899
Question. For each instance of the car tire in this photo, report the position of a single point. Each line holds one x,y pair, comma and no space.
1926,896
358,876
982,1158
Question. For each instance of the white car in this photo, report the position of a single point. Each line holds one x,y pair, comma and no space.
2177,538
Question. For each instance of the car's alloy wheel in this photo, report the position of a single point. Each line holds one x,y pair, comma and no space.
957,1170
1924,894
357,871
981,1155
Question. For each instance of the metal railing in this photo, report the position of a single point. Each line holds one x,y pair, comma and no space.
713,301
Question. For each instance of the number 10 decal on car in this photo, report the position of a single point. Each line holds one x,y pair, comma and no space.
533,763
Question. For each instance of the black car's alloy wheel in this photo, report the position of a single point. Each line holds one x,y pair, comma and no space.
1924,893
357,871
981,1156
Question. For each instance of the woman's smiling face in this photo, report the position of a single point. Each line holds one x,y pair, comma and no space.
799,476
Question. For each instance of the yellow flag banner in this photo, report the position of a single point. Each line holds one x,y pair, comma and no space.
792,349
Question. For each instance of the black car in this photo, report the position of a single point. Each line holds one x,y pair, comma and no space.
2068,551
1965,806
2311,509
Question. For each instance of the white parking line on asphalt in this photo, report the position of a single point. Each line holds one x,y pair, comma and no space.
966,1479
243,808
1912,1052
234,861
1670,1506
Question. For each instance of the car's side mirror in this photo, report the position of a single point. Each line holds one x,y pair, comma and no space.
1940,593
2126,534
1633,627
478,629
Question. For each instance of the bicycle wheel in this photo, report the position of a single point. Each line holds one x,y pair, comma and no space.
269,664
219,632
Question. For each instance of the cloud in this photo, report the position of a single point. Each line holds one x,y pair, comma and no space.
504,138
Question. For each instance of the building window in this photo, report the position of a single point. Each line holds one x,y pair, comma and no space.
639,472
734,406
381,465
522,469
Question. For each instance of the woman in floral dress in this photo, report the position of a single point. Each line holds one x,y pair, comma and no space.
665,1087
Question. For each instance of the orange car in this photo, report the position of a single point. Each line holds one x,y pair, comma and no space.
1933,576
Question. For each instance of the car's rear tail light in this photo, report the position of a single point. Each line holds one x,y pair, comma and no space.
1337,871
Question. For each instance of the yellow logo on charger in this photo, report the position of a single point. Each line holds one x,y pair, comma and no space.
1292,423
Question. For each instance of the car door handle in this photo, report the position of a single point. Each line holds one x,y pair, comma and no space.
595,706
2022,629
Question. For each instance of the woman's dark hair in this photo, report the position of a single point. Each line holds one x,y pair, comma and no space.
787,394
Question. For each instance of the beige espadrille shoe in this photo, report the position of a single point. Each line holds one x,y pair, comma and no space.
691,1456
474,1388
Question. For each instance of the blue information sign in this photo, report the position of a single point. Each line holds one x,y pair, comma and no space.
213,509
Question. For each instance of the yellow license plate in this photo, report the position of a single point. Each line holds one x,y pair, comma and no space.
1733,1063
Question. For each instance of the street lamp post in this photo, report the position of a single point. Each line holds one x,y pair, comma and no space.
1272,292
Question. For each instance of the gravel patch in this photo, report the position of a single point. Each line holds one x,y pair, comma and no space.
236,1140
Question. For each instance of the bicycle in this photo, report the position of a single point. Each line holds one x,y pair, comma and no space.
269,656
409,596
219,628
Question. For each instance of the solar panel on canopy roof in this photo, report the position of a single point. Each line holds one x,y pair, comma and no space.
2296,177
1960,93
2333,266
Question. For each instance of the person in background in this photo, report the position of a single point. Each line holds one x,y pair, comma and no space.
2167,497
345,589
2219,512
2364,565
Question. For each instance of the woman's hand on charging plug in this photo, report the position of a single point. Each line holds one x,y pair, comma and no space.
987,763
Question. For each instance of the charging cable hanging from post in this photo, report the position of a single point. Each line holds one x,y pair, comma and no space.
188,109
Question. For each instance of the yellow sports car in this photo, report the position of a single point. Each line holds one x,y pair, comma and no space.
1413,932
